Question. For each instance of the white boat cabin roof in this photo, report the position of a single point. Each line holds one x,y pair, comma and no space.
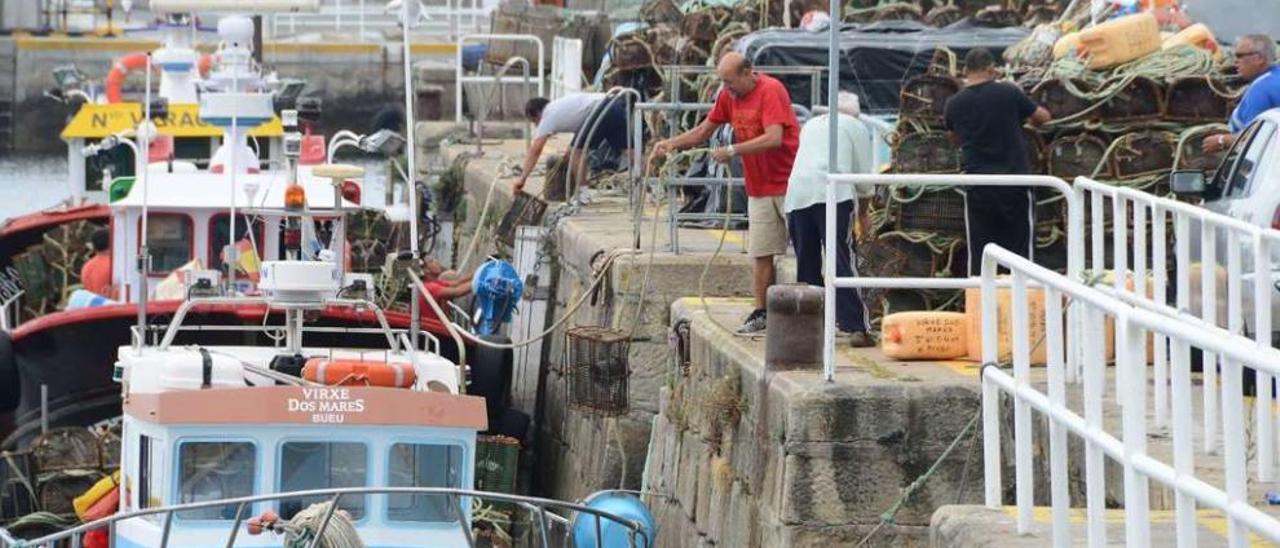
204,190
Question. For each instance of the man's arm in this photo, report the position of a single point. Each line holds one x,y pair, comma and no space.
531,160
696,136
453,291
1040,117
769,140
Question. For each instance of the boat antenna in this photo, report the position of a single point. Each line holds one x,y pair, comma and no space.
410,148
144,254
232,255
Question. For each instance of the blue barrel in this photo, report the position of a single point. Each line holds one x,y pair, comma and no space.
82,298
614,534
472,54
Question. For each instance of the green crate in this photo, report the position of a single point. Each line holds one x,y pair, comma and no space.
497,461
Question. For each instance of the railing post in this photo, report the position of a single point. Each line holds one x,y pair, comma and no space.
1058,475
1095,363
990,393
1160,280
828,283
1130,347
1119,270
1233,400
1264,423
1181,395
1021,410
1209,312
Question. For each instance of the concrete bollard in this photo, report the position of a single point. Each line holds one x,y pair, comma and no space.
793,338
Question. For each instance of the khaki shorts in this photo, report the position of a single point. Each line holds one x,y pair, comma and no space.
767,228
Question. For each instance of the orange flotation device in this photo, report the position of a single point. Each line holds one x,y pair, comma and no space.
137,61
359,373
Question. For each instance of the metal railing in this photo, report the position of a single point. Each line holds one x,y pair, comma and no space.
498,79
566,67
637,536
1075,243
672,185
1130,324
1200,236
674,75
362,17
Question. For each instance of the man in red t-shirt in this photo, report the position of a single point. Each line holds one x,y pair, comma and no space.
95,275
767,136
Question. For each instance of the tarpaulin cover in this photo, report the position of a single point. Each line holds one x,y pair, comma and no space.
875,59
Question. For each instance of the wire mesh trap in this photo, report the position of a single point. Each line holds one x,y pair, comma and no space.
937,211
1077,155
928,152
66,449
1140,99
1198,99
526,210
596,363
925,97
1064,98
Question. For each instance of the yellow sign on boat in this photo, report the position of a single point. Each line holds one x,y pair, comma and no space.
98,121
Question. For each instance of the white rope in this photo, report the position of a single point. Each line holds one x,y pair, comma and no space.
339,533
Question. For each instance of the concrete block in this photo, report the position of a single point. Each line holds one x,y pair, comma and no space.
722,482
686,480
979,526
738,528
702,506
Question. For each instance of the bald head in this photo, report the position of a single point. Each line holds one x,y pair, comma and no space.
734,71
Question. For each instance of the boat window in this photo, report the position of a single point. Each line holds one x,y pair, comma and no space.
213,471
418,465
169,239
307,465
149,473
218,240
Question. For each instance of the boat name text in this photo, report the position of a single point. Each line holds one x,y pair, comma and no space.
326,405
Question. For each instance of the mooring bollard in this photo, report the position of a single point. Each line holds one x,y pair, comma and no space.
793,338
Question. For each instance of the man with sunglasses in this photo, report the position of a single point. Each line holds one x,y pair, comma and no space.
1256,63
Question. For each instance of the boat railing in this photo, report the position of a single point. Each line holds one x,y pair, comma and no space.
539,507
180,315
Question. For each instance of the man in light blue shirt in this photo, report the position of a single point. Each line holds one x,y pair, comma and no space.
1256,62
806,203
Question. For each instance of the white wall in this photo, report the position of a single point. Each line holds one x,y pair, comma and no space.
1230,19
20,14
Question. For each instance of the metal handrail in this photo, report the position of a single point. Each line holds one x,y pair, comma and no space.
1240,236
460,78
176,323
537,504
1131,323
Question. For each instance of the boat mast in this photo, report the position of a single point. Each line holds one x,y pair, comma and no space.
410,150
144,255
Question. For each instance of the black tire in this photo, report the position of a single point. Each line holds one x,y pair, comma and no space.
10,384
491,371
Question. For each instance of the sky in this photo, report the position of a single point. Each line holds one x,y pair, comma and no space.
1230,19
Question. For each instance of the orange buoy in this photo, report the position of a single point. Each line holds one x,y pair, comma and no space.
359,373
136,61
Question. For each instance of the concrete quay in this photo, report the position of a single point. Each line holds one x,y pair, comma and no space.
731,455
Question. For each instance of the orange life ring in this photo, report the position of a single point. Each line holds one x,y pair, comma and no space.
136,61
359,373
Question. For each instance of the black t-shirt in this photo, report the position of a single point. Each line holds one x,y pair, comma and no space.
988,119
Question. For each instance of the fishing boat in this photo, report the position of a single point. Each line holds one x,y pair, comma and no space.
329,446
205,225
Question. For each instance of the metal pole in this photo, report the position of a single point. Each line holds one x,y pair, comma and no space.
828,267
415,313
144,255
44,409
237,140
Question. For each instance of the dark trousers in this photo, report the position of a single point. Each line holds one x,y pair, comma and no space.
808,234
1001,216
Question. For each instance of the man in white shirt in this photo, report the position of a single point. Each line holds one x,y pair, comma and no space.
576,113
806,203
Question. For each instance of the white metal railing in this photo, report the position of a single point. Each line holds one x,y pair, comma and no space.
566,66
1218,243
1131,323
1075,244
362,17
498,80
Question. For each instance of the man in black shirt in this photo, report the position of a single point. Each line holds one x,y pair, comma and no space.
985,119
